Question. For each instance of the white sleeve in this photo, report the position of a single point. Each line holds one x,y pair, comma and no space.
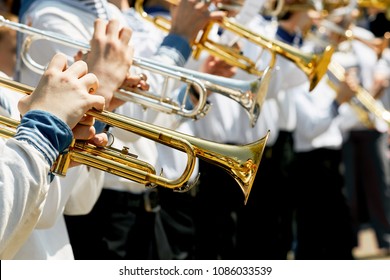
314,111
24,186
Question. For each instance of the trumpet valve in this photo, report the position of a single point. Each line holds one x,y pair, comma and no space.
125,152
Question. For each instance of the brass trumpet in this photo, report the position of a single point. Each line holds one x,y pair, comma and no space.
249,94
377,44
313,65
325,7
363,100
241,162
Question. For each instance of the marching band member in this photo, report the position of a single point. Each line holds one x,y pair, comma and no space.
365,134
110,58
268,204
367,171
44,133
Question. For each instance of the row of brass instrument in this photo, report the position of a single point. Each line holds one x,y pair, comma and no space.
249,94
313,65
246,93
241,162
363,103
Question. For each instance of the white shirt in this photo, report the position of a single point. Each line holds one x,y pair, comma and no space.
383,70
22,197
49,240
317,124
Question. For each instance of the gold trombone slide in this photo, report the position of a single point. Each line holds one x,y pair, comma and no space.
241,161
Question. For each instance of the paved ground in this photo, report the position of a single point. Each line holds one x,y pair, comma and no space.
368,248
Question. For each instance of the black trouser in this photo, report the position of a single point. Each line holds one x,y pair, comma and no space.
368,182
265,223
322,216
217,202
177,217
120,226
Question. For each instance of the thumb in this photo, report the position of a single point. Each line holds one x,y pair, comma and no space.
22,105
97,102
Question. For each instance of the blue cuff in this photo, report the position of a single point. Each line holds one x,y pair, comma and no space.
176,47
189,105
99,126
45,132
335,108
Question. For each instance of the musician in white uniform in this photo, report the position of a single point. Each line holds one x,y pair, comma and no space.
322,215
268,206
27,158
77,193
